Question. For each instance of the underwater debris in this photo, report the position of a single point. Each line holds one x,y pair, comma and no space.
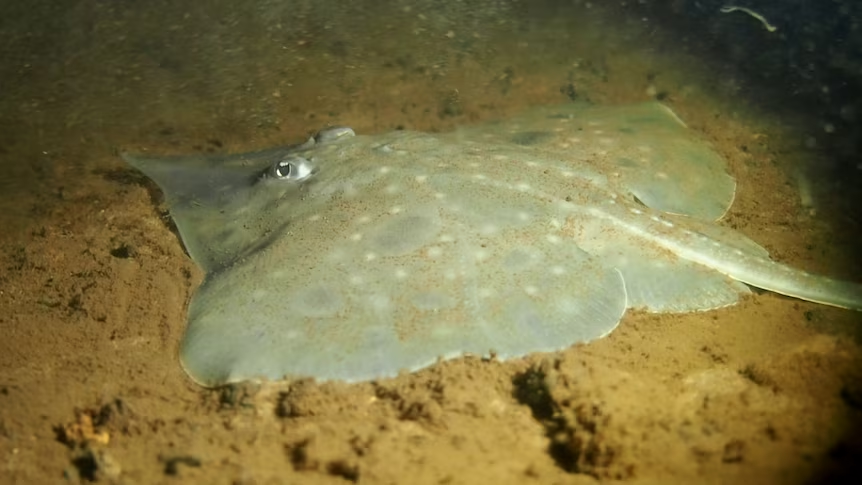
761,18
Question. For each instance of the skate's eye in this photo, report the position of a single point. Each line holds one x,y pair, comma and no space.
292,168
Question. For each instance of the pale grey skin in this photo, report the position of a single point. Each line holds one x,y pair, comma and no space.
355,257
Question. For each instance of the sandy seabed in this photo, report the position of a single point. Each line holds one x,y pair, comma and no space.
94,285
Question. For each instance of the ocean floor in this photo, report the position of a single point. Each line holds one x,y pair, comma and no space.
94,282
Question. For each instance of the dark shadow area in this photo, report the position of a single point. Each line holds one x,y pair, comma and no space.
532,391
